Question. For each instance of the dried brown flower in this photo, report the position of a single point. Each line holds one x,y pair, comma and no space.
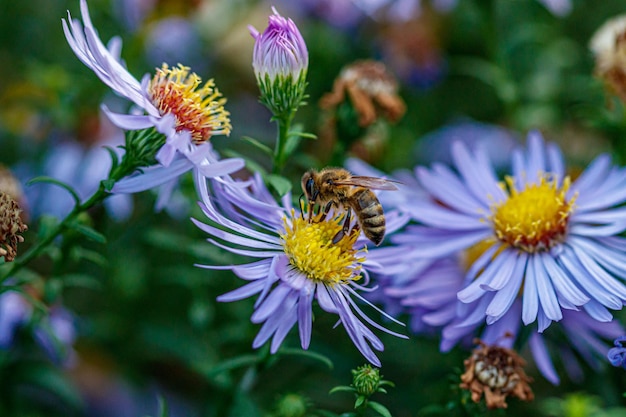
372,90
10,227
496,372
608,45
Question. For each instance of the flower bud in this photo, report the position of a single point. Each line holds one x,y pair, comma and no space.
292,405
280,61
366,380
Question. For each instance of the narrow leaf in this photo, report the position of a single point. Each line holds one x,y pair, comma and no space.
238,362
53,181
341,388
88,232
379,408
307,354
257,144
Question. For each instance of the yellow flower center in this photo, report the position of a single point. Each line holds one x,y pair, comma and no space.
535,218
199,110
310,248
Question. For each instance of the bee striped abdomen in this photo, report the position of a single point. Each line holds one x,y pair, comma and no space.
370,215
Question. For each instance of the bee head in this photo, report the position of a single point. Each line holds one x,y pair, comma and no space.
309,187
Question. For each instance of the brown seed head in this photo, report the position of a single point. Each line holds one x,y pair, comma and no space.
372,90
496,372
10,227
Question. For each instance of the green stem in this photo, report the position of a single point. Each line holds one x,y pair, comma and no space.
117,173
280,157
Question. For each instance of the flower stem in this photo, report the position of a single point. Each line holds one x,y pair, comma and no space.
117,172
280,154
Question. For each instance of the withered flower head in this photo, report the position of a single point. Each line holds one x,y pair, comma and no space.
608,45
10,227
496,372
371,89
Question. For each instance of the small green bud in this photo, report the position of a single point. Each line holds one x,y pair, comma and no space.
366,380
292,405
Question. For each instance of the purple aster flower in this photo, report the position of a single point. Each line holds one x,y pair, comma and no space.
617,354
296,262
280,61
513,255
427,290
552,238
172,101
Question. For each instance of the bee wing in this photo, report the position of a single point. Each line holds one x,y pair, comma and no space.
373,183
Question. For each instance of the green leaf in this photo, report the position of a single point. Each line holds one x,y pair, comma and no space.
97,258
304,135
114,158
278,183
238,362
80,281
108,184
307,354
359,401
293,140
341,388
49,180
259,145
88,232
379,408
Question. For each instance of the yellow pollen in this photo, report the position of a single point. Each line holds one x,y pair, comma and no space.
198,109
311,250
535,218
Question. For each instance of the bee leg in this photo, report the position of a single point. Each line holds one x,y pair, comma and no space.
326,210
310,211
345,228
356,229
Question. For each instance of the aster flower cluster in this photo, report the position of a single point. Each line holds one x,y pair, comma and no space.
492,244
532,249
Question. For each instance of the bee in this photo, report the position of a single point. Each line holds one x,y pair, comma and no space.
339,187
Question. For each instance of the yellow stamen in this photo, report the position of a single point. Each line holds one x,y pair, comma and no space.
535,218
310,247
200,110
